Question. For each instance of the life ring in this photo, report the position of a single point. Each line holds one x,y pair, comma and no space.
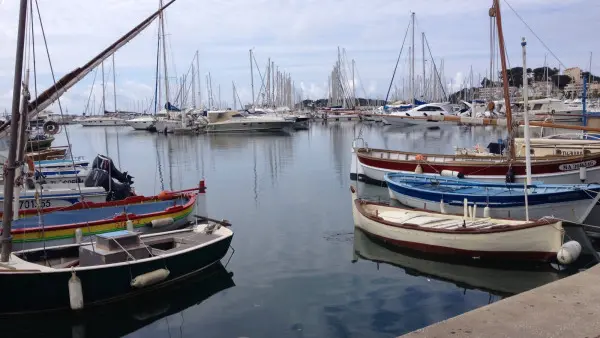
420,157
51,128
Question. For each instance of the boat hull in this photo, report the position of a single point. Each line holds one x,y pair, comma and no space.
533,243
64,233
565,171
141,124
567,210
41,292
28,203
103,123
248,126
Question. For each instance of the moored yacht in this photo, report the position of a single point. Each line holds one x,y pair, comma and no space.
145,122
410,117
233,121
102,121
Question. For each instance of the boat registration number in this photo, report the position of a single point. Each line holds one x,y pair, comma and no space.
575,166
32,204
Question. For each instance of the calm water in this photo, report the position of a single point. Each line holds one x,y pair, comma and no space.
299,270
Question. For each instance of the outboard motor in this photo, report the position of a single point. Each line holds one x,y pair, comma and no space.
104,173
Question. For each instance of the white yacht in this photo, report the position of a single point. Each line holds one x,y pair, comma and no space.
94,121
233,121
415,116
145,122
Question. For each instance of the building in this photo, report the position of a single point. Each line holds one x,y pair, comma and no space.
575,74
496,93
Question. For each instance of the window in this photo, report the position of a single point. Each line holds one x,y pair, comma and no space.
537,106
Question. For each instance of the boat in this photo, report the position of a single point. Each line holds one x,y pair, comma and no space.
46,198
112,265
116,265
142,122
501,280
498,200
372,164
466,237
48,154
132,315
232,121
98,121
418,115
58,225
39,143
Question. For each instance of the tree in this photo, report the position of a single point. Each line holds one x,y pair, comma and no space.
486,82
561,80
539,74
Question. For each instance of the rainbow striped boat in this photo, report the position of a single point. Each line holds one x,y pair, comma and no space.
163,212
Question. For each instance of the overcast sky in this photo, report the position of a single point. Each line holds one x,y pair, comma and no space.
300,36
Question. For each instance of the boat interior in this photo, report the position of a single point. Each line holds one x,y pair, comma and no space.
121,246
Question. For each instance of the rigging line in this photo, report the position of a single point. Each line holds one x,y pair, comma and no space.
262,79
534,34
397,61
87,105
58,98
435,69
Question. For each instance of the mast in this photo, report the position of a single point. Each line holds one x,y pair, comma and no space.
525,114
252,78
199,80
161,17
511,142
412,63
114,82
233,92
423,50
193,86
103,92
353,88
9,169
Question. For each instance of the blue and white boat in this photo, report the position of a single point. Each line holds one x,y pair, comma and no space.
572,202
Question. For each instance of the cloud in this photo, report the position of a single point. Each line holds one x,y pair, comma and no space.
300,36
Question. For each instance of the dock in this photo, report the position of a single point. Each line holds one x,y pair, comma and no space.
569,307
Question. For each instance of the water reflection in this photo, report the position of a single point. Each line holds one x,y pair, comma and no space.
497,281
125,317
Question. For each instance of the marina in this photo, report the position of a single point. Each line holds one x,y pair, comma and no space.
285,207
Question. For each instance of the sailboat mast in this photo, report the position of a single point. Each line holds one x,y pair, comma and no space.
114,82
353,88
423,51
161,17
526,114
252,78
511,140
103,91
193,86
199,80
9,169
412,63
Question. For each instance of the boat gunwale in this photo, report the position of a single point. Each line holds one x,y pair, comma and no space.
360,203
226,233
117,218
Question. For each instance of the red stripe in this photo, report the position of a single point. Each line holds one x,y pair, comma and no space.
495,255
485,169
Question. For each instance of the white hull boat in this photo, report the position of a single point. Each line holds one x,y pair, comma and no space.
102,122
57,197
479,238
141,123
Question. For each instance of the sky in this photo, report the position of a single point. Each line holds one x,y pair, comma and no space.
300,36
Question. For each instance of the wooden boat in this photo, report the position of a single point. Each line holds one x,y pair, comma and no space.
503,200
58,225
130,314
480,238
48,154
39,143
117,265
375,163
500,280
55,198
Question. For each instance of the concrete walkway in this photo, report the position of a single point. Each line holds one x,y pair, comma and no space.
569,307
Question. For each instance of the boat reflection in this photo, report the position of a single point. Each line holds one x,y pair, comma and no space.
123,317
500,281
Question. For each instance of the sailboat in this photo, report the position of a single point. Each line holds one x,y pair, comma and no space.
372,164
114,266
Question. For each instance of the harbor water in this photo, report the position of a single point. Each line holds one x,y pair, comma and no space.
297,267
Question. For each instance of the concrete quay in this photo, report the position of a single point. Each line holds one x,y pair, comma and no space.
569,307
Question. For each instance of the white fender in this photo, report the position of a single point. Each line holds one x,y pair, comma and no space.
162,222
568,252
150,278
75,292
